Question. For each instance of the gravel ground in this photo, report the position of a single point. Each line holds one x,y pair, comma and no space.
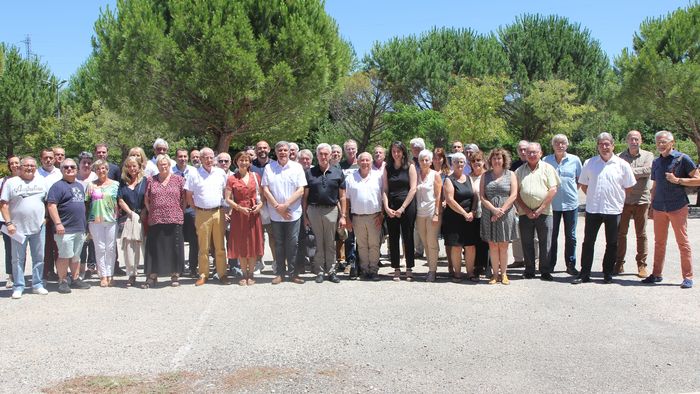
531,336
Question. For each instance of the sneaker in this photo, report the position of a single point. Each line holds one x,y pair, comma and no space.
642,272
259,266
64,288
79,284
40,291
17,294
687,284
10,282
652,279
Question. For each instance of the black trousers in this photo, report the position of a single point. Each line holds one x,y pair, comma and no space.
593,223
402,227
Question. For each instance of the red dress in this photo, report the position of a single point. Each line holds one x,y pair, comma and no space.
245,238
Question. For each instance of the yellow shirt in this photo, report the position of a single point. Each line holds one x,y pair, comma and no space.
533,185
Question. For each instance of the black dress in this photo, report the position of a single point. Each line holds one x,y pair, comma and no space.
399,184
456,230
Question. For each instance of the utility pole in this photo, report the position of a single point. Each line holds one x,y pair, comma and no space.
27,46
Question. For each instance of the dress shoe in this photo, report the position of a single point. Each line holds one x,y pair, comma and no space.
298,280
652,279
580,279
571,270
505,280
619,268
528,275
334,278
516,264
319,278
547,277
225,280
202,280
430,277
607,279
642,273
277,280
119,272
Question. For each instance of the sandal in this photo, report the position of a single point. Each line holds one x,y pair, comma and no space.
132,281
409,276
175,281
243,282
149,283
456,278
104,282
397,276
473,278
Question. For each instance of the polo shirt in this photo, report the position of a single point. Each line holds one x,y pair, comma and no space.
669,197
533,185
152,169
207,187
641,168
324,187
183,173
25,201
364,194
283,181
568,170
606,183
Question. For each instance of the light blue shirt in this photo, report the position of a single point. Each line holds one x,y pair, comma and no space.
569,171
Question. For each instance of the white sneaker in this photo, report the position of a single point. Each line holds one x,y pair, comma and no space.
9,283
17,294
40,291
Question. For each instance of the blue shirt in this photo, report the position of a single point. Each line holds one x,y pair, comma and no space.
70,202
568,170
669,197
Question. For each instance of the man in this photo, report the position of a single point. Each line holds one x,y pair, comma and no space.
336,154
469,150
417,145
565,203
636,204
349,166
669,204
250,150
537,186
262,151
204,191
59,155
605,179
325,189
350,163
379,160
51,174
517,246
305,158
66,206
189,232
293,151
457,147
283,185
101,153
160,147
22,206
363,191
195,158
223,161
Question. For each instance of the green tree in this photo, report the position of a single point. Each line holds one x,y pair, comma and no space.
420,70
409,121
359,108
26,97
219,67
661,74
473,112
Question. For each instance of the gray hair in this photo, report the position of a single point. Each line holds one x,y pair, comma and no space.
458,156
323,145
25,159
417,143
364,154
67,160
523,142
206,150
537,144
305,152
281,144
336,147
605,136
160,142
471,147
663,133
294,145
560,138
160,158
425,153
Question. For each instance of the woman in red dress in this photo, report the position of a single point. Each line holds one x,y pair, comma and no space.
245,240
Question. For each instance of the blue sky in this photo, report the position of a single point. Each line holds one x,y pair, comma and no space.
60,31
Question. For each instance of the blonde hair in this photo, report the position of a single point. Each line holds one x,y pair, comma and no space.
125,173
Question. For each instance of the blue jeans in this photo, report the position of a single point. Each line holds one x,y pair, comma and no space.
19,258
286,236
570,219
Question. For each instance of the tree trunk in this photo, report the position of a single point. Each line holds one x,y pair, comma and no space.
224,142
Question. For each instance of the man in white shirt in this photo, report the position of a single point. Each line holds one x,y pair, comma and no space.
363,192
605,179
283,185
51,174
160,147
22,206
204,190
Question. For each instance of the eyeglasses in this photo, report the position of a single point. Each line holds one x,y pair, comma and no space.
69,167
224,161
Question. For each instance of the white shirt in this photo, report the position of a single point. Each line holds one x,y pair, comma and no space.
206,187
283,182
364,194
425,195
25,201
152,169
50,177
606,181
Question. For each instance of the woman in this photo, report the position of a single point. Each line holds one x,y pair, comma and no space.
428,200
498,191
165,202
482,248
132,192
14,167
399,188
440,163
140,155
245,240
102,220
458,225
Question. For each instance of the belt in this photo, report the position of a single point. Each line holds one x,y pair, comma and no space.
207,209
324,205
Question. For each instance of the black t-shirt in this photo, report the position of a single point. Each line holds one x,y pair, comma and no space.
133,198
70,201
324,187
516,164
114,173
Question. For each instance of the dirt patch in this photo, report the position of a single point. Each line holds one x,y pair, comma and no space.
246,378
98,384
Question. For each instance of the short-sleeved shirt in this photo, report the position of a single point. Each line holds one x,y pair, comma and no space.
324,187
669,197
50,177
165,201
364,194
606,181
207,187
26,203
103,202
349,168
183,173
568,170
533,185
69,198
283,181
258,167
641,168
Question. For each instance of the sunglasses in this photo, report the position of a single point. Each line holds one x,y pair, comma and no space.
224,161
69,167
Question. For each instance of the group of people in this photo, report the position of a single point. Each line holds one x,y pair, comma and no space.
70,212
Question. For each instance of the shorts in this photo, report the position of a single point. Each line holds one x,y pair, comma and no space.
69,245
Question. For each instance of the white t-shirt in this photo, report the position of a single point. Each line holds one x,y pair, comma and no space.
206,187
26,203
364,194
606,181
283,182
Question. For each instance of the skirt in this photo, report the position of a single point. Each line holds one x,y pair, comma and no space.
165,250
